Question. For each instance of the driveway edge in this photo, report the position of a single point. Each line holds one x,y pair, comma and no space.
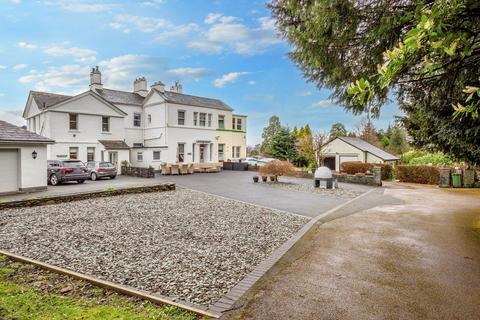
227,301
155,298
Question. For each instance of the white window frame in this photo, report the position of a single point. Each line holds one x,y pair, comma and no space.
221,119
75,149
159,155
70,121
236,152
140,156
209,120
239,123
204,116
137,122
181,153
181,120
195,118
221,152
91,153
108,124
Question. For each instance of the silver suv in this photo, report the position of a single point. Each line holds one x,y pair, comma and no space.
59,171
101,169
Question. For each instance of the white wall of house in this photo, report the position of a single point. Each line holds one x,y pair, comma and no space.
133,134
31,173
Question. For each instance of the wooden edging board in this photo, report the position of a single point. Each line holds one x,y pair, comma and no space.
114,287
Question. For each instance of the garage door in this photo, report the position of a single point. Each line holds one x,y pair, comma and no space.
348,158
8,170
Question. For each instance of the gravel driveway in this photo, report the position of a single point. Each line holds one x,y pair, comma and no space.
182,244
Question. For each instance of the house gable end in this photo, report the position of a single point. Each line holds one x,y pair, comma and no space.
31,109
88,103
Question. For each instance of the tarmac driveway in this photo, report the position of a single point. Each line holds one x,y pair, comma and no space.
238,185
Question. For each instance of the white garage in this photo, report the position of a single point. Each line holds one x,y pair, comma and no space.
347,149
23,160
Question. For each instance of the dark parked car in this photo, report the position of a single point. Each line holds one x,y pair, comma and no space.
59,171
101,169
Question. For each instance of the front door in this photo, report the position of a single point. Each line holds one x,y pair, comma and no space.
202,153
113,158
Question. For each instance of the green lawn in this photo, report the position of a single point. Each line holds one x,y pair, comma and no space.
29,293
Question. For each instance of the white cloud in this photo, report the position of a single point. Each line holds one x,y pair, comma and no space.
26,45
127,23
19,66
228,78
71,78
252,82
81,55
2,94
230,32
205,47
190,73
15,1
176,32
152,3
305,93
13,116
80,6
322,103
2,66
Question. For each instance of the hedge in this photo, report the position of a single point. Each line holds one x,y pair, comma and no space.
418,174
354,167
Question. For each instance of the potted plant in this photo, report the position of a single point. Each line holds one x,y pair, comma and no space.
264,178
273,178
255,179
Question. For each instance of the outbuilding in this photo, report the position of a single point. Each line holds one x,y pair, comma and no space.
346,149
23,159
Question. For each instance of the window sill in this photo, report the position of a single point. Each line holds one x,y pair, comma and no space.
74,131
106,132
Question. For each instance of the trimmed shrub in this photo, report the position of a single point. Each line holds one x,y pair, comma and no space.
354,167
277,168
418,174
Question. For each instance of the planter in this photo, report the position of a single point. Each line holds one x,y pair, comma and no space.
255,179
273,178
264,178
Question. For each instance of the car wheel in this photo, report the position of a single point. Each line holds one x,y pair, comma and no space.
53,180
113,177
93,176
80,181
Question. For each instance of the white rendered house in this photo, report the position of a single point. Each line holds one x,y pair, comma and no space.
144,127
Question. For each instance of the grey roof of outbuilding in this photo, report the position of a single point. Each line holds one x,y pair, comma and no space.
114,144
12,133
46,99
365,146
189,100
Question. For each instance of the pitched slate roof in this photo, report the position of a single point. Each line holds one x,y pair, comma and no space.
117,96
365,146
114,144
189,100
45,100
11,133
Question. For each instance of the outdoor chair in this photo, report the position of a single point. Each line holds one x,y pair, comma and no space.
190,168
165,169
183,168
174,169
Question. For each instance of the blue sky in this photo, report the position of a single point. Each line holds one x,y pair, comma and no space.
220,49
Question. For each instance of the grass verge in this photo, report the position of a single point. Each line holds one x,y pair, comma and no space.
28,292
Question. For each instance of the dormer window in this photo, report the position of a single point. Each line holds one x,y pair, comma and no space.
73,121
236,123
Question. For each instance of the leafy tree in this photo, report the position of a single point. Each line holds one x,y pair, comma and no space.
338,130
398,141
304,147
283,145
428,52
270,131
319,140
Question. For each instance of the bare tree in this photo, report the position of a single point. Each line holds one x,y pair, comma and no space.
319,139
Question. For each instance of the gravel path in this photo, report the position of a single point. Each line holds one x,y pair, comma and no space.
182,244
286,183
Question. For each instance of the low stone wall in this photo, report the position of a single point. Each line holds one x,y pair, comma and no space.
138,172
350,178
85,196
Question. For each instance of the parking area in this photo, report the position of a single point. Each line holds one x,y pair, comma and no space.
239,185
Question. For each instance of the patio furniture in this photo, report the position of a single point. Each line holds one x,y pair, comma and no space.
190,168
183,168
165,169
174,169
